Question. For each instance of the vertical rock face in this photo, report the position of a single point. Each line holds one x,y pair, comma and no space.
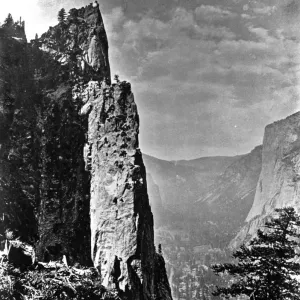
121,217
279,181
18,182
74,52
44,187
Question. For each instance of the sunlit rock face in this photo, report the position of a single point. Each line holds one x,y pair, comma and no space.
81,43
121,217
278,184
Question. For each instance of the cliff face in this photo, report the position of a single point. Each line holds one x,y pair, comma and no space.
121,217
66,58
18,183
278,184
228,200
72,178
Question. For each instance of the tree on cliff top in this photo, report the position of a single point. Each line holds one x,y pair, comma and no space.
8,22
61,17
266,267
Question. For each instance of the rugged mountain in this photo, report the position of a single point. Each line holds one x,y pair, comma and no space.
278,183
72,177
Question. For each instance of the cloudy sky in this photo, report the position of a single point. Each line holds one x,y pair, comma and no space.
208,76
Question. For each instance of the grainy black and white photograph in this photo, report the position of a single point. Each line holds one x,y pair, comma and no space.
149,149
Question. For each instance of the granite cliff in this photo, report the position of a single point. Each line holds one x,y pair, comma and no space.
72,177
228,200
278,184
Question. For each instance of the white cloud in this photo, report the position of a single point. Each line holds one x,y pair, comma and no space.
247,17
213,13
265,10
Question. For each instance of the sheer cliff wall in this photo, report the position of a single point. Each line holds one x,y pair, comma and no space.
279,181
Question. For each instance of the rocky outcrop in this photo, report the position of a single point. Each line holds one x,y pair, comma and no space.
79,42
279,183
121,217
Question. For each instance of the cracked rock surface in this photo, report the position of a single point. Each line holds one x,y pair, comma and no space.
121,218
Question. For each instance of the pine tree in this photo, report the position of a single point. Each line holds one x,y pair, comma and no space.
8,22
266,265
61,17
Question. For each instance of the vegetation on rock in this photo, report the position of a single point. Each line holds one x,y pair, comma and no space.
52,281
61,17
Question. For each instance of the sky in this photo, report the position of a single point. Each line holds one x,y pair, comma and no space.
207,75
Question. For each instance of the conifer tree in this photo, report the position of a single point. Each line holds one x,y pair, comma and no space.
8,22
61,17
267,265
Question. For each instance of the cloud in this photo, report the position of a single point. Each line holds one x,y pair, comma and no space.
213,13
247,17
264,10
292,8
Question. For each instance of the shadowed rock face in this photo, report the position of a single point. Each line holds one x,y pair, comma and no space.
18,184
121,217
278,184
66,57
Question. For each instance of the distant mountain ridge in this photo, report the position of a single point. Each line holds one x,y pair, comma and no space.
208,163
180,182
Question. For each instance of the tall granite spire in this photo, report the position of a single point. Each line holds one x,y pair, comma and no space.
121,218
